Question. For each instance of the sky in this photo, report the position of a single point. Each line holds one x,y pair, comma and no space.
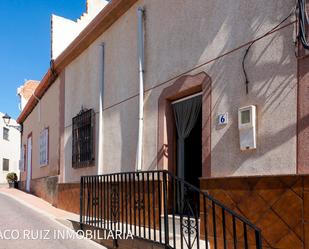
25,43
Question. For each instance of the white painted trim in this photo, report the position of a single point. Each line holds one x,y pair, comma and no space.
186,98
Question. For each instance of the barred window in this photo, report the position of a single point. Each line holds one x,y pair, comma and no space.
6,133
82,135
44,147
5,164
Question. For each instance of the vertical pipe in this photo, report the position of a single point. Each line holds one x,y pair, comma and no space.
100,145
140,15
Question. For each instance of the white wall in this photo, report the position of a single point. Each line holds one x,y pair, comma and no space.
196,32
9,149
64,31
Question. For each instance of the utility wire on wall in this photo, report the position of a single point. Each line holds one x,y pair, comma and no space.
250,45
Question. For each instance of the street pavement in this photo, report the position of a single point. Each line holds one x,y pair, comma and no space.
23,228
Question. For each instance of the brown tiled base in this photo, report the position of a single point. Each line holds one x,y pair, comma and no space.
68,197
279,205
61,195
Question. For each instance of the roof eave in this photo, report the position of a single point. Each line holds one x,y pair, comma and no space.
109,14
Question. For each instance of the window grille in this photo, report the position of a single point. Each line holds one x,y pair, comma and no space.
82,139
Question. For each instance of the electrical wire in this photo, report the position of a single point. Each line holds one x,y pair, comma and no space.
250,45
302,22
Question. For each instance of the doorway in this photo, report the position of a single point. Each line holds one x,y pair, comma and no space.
29,163
188,121
193,154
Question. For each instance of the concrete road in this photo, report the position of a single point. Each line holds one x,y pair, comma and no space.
23,228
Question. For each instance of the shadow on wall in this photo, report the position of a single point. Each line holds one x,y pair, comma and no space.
270,65
198,34
129,135
276,140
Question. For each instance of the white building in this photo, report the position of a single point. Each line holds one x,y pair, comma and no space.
9,149
64,31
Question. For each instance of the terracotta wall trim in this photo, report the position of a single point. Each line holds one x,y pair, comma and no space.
182,87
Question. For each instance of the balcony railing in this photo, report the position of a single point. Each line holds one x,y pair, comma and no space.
161,208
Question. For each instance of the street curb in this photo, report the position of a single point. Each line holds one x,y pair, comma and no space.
57,220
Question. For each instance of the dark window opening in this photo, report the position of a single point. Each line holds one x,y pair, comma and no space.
6,133
82,139
5,164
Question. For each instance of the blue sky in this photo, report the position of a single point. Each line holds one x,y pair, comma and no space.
25,42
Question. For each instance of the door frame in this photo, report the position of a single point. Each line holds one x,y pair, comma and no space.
29,167
184,86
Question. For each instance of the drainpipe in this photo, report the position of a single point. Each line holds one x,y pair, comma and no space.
140,15
100,146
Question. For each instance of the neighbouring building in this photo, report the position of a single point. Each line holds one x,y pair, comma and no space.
26,91
9,149
64,31
225,107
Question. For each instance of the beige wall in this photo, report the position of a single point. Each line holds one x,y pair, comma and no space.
179,36
49,106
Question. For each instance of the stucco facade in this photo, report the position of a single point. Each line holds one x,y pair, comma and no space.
194,35
191,46
194,41
44,115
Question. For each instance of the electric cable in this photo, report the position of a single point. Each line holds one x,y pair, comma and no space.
250,45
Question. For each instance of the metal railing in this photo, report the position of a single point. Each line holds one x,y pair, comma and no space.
159,207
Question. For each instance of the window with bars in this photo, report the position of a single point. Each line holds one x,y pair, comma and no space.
82,139
5,164
44,136
6,133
